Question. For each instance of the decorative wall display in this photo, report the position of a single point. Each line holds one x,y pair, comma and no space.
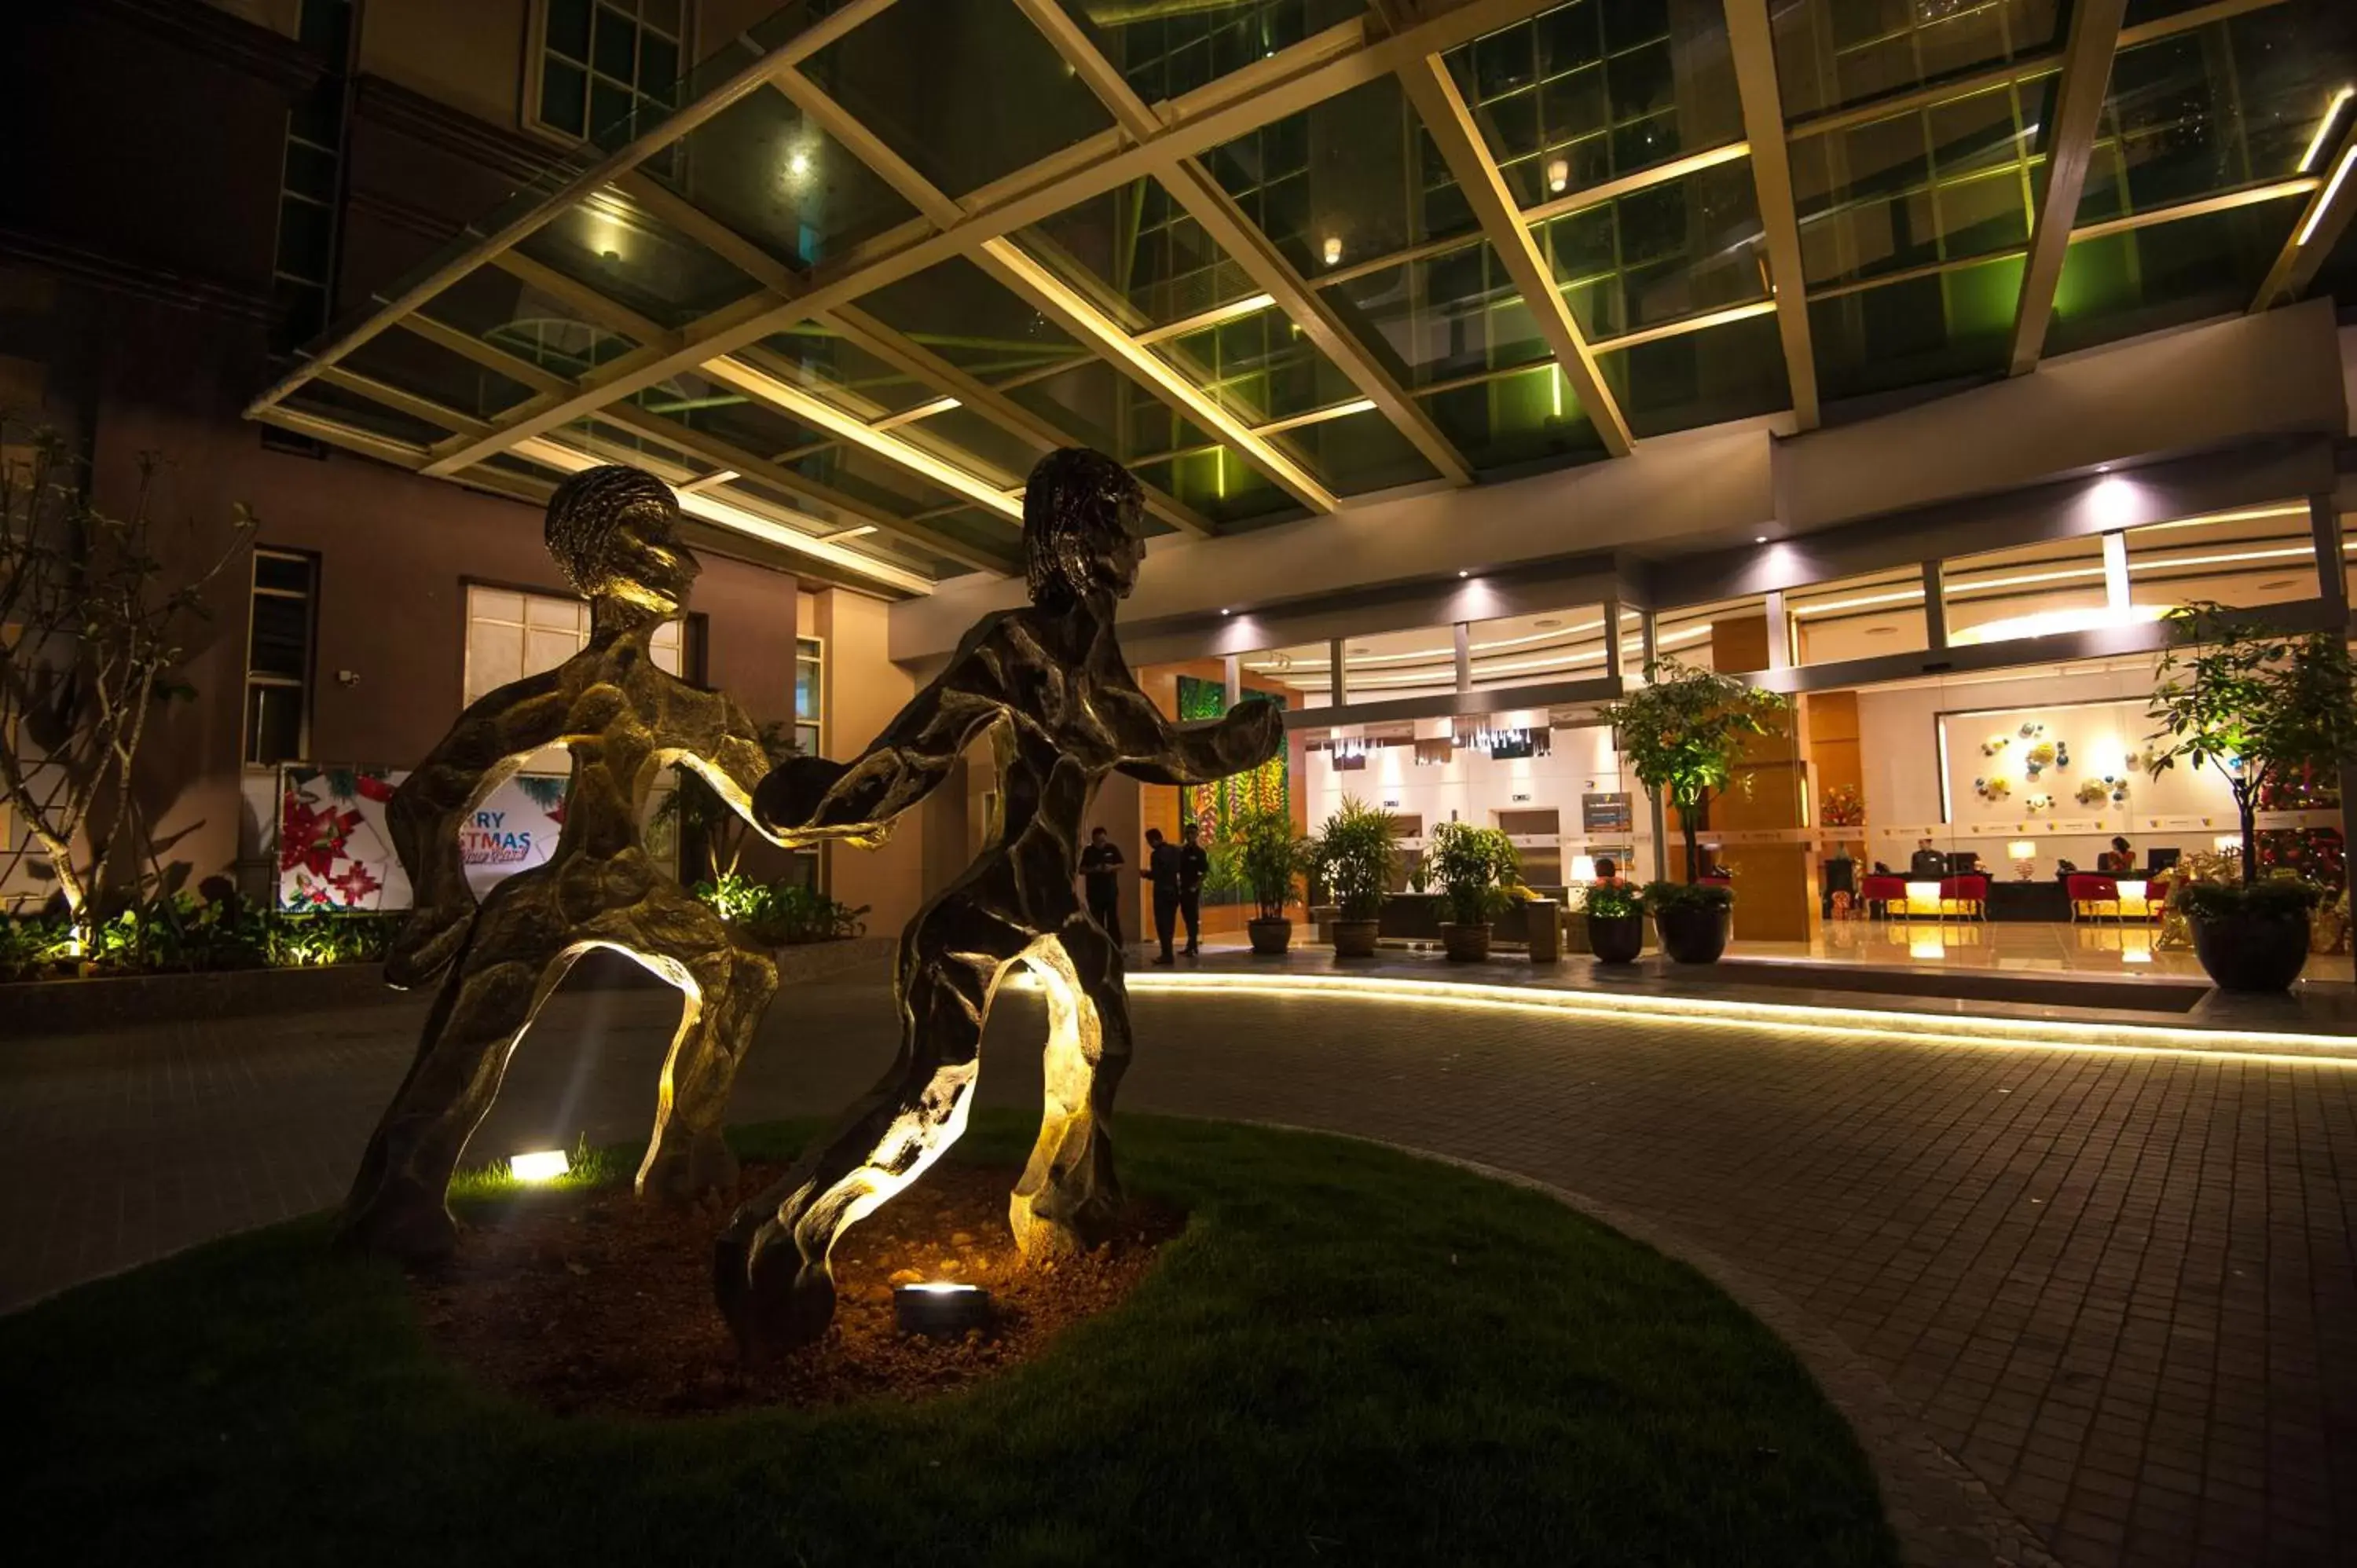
514,829
1266,788
1605,811
1843,807
334,849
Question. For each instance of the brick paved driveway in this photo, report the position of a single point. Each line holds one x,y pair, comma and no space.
2120,1289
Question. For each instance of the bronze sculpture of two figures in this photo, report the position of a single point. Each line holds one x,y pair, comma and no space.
1046,683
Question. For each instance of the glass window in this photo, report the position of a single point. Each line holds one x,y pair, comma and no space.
1666,253
2254,556
1907,332
511,634
282,617
1140,256
1729,371
810,687
1729,635
2031,590
1538,650
603,63
1833,53
2117,285
1505,421
1168,51
1858,618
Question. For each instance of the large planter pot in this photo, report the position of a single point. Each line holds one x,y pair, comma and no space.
2251,953
1693,935
1355,939
1465,944
1270,938
1617,939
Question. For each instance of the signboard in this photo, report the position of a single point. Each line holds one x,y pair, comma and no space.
1605,814
335,850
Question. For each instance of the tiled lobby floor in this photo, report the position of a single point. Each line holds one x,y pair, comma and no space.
2129,948
2120,1288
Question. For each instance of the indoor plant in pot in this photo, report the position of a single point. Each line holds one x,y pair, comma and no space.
1261,852
1616,923
1681,733
2259,705
1354,855
1472,869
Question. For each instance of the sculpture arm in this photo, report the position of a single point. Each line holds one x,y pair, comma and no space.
809,798
1247,735
489,741
735,761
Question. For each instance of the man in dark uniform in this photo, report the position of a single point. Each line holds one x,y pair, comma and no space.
1162,870
1101,864
1194,867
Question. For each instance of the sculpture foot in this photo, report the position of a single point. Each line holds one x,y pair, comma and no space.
1046,1235
774,1301
409,1226
686,1169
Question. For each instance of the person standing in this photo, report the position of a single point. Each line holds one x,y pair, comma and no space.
1194,869
1101,864
1162,870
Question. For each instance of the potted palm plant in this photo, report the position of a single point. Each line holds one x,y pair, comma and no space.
1616,923
1354,855
1259,851
1681,733
1472,869
2262,706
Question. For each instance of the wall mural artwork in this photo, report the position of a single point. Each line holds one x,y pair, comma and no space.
1268,787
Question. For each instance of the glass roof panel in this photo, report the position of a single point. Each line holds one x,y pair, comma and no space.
1598,89
326,400
976,443
1166,50
1258,367
871,478
2228,105
1731,371
1221,486
635,260
510,314
966,316
1940,184
411,363
1345,181
1357,453
1140,256
1833,53
967,90
1442,317
1683,248
1914,331
856,378
768,172
720,411
1107,409
2167,273
978,530
1510,422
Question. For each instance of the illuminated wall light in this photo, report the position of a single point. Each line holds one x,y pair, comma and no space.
1332,250
2324,202
2046,623
2323,129
541,1164
1558,175
799,163
940,1306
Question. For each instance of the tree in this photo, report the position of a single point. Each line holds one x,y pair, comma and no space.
2258,704
92,621
1261,852
1682,733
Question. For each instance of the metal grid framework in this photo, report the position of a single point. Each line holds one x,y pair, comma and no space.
1281,254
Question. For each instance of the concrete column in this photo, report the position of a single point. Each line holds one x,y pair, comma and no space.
1464,631
2331,566
1612,638
1232,678
1780,632
2115,575
1342,685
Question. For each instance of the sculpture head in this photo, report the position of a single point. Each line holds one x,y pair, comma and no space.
615,534
1080,529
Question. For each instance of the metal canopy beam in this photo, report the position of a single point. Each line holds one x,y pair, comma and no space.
2321,223
1243,242
1450,123
1319,67
706,107
2071,145
1754,49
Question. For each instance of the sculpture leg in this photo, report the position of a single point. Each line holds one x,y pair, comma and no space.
688,1155
1069,1198
397,1205
769,1267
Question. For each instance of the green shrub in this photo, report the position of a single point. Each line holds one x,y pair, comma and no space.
2276,899
180,935
1661,895
780,914
1473,867
1355,854
1614,901
1258,851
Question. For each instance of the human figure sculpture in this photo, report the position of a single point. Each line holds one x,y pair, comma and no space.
1049,684
613,532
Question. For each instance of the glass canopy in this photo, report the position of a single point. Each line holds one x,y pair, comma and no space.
846,277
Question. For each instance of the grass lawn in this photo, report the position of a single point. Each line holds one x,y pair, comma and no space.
1350,1357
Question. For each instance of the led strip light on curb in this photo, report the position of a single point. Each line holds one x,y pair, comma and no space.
1829,1023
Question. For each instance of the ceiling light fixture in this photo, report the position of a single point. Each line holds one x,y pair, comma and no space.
1558,175
1464,574
1332,250
2324,202
1759,539
798,165
2324,127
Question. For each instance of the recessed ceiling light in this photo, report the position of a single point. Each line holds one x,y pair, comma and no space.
1549,624
1358,652
1759,539
1464,574
2281,582
1225,611
1882,631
